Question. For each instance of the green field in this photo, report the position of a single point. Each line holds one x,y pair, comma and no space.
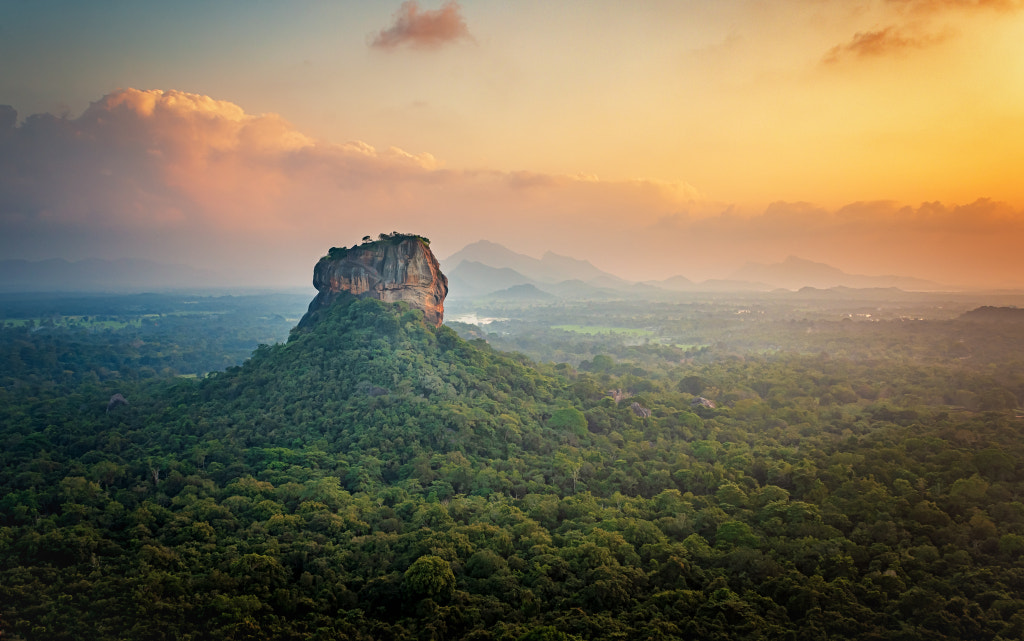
598,329
689,346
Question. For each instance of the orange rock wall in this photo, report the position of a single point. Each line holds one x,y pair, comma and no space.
388,271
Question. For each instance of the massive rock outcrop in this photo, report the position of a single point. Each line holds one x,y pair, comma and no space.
398,267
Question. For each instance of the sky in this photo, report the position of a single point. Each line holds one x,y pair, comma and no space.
656,138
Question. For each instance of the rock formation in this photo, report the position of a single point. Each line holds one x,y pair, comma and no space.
395,268
700,401
640,410
116,400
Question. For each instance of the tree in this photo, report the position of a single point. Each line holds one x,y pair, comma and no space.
429,576
735,533
569,419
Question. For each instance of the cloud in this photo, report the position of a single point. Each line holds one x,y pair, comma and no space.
934,6
166,174
424,29
185,178
960,245
143,157
913,28
876,44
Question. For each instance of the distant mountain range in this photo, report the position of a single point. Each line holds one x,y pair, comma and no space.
487,269
481,269
97,275
550,268
473,278
796,273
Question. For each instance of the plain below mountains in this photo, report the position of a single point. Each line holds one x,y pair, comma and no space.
99,275
488,270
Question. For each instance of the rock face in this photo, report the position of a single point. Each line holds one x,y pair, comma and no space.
396,268
700,401
640,410
116,400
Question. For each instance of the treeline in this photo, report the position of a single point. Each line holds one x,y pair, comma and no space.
58,344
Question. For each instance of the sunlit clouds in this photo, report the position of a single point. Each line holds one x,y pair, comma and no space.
972,244
171,162
159,174
915,24
884,42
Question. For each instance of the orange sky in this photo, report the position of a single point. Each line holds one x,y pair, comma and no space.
671,137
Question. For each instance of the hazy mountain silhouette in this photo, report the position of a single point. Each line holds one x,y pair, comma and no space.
550,268
472,278
484,267
794,273
526,292
675,284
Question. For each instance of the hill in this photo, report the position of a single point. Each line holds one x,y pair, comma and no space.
383,380
989,314
521,293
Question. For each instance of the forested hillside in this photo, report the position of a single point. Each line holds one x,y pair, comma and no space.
379,478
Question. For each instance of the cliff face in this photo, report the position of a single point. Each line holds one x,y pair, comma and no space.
395,268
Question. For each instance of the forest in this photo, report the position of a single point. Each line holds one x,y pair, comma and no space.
775,468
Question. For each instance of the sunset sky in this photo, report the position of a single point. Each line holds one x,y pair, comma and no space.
653,138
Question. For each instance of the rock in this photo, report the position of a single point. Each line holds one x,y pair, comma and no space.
617,395
395,268
700,401
640,410
115,401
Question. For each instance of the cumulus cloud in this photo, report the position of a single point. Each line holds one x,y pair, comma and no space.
144,157
424,29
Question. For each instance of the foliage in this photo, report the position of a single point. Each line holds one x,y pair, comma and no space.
569,419
429,576
394,238
379,478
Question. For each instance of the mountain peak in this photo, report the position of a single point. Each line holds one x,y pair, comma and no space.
551,268
394,268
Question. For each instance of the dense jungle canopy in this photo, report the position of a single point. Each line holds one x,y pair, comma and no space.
377,478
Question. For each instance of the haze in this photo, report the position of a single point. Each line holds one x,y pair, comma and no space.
653,139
